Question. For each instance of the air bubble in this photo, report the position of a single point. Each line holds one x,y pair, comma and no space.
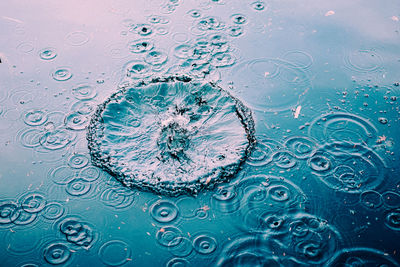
383,120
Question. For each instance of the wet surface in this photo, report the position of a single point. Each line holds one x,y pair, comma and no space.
280,149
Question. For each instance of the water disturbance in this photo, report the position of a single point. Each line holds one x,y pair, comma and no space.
171,135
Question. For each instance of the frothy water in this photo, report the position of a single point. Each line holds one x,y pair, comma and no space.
171,135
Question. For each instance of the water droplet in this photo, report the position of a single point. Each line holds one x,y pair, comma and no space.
56,253
140,45
62,74
258,5
383,120
204,244
164,211
238,19
194,13
48,53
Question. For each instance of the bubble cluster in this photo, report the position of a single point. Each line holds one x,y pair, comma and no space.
78,232
172,125
200,57
210,23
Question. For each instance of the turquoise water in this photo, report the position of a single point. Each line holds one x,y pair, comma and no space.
208,133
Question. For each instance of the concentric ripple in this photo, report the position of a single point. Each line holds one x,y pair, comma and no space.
164,211
341,126
172,135
57,253
348,167
247,250
361,257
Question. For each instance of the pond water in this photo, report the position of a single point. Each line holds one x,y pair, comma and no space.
208,133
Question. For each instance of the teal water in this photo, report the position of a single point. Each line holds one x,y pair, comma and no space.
281,150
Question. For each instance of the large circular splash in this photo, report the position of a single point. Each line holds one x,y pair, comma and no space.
171,135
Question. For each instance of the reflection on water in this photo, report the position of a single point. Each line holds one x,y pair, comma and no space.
281,150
